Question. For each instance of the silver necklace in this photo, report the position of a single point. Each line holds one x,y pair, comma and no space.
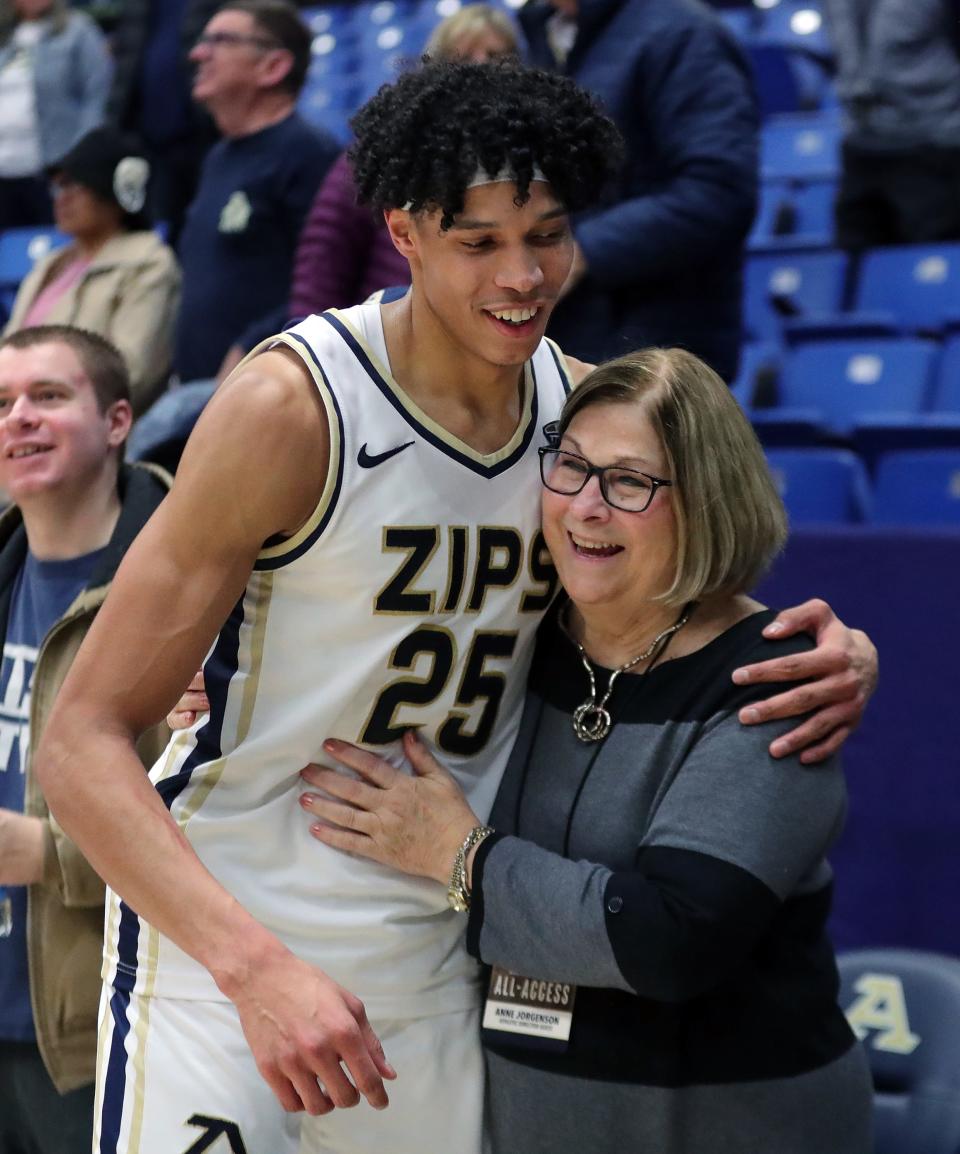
591,721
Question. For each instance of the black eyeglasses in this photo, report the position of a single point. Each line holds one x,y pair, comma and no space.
233,39
622,488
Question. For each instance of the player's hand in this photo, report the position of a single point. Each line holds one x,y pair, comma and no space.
414,823
190,706
842,672
310,1037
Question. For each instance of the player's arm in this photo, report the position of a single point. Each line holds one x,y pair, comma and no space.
840,673
254,467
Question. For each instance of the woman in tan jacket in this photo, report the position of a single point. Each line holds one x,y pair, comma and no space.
116,277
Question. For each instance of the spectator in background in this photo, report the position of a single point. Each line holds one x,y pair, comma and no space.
76,510
257,183
151,97
898,80
661,262
116,278
54,76
345,252
477,32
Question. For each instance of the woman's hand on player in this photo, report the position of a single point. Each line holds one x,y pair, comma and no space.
191,705
414,823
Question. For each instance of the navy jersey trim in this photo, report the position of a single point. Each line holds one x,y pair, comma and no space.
424,431
562,371
219,669
265,564
111,1110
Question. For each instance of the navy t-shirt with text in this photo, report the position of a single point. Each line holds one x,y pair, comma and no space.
42,593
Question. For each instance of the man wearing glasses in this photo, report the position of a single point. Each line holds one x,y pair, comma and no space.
241,230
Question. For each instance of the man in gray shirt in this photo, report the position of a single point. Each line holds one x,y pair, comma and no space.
898,79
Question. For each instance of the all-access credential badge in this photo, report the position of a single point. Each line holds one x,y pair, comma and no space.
533,1006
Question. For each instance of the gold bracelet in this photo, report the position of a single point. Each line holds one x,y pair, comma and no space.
458,892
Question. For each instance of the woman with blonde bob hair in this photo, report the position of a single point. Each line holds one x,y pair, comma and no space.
652,890
474,32
730,519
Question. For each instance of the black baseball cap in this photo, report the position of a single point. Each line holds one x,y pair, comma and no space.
113,167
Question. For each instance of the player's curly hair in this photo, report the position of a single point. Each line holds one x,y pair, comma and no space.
420,141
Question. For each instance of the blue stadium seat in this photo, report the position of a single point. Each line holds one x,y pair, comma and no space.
395,27
330,102
815,78
796,29
835,384
820,485
336,20
379,69
20,249
918,488
791,217
756,379
901,290
804,146
392,37
946,393
879,433
798,25
332,58
919,285
937,428
331,93
775,78
905,1006
780,286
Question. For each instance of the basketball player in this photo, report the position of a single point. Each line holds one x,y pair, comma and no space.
353,542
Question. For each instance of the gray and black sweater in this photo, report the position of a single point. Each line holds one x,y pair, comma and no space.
675,872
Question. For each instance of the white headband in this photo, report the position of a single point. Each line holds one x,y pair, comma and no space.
481,176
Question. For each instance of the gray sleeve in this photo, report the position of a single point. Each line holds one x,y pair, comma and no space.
774,819
764,823
544,914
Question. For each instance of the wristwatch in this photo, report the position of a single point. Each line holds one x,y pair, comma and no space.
458,892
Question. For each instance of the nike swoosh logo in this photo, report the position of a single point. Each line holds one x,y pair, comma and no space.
370,460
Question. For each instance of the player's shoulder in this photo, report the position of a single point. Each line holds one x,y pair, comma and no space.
261,443
267,406
271,382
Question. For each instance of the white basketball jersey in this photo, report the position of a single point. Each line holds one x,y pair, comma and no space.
410,598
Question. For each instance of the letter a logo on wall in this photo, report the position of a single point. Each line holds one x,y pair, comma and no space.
882,1007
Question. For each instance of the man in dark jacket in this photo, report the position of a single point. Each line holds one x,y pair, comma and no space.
256,186
64,415
660,263
151,97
